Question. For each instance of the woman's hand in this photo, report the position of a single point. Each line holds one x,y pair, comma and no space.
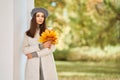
47,44
29,56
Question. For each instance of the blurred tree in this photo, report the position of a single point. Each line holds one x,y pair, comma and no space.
84,22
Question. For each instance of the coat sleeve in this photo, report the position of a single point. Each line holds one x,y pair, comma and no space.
46,51
27,48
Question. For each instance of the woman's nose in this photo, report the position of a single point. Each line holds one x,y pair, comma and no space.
40,18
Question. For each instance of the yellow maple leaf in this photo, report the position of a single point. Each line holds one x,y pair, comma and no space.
48,35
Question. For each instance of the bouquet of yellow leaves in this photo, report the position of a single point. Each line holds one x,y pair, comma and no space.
48,35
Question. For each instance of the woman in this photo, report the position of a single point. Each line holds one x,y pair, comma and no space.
40,62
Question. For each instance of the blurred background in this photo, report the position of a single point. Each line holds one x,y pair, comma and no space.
89,38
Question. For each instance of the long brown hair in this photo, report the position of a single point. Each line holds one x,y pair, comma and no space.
33,26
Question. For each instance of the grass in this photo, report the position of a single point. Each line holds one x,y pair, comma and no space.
88,70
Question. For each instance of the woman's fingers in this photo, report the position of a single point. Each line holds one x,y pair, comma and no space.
29,56
47,44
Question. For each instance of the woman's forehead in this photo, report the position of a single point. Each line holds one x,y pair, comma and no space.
39,13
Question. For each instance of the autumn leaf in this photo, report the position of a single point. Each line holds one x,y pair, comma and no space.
48,35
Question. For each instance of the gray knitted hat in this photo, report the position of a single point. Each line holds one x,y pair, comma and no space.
43,10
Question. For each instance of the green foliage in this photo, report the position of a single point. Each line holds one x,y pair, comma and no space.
90,23
61,55
96,54
79,23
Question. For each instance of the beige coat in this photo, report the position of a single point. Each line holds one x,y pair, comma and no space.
33,65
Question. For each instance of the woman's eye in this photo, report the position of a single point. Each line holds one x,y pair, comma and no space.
42,16
37,16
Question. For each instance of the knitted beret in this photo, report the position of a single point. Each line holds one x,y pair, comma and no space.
43,10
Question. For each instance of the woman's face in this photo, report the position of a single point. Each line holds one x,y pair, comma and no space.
39,17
